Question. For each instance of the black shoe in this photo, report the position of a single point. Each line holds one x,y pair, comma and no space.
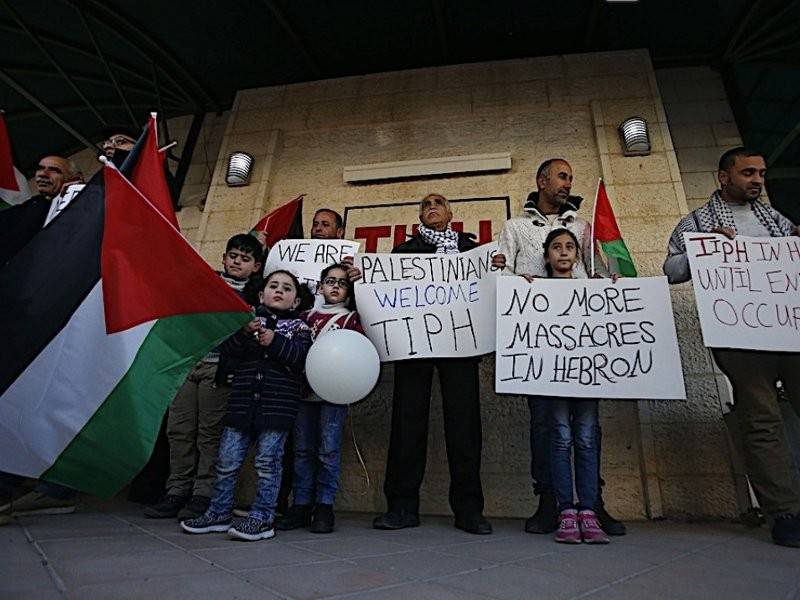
474,523
297,516
396,520
324,520
197,505
545,519
609,524
786,530
166,508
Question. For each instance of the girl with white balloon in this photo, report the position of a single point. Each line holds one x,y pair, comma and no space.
342,367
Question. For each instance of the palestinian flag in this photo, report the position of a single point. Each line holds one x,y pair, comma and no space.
103,315
13,185
606,231
285,222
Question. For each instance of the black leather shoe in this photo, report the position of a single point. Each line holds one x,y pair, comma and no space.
297,516
609,524
545,519
396,520
323,521
475,523
786,531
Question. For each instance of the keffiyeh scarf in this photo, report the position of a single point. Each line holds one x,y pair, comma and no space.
716,213
446,241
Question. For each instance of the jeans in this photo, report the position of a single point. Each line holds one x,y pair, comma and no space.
9,484
233,446
573,424
317,451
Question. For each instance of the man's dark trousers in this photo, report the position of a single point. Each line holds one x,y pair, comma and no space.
408,443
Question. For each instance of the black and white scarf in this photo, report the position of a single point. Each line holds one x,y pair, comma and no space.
446,241
716,213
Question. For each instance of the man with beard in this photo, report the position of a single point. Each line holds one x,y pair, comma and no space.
521,241
733,210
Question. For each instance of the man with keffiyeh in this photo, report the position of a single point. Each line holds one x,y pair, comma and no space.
732,210
458,377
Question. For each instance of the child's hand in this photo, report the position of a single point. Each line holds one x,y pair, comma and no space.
528,277
252,326
614,277
265,337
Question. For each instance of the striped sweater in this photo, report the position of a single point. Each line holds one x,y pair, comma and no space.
267,382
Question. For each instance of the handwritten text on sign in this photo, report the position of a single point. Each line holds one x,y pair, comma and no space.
307,258
747,290
587,338
428,305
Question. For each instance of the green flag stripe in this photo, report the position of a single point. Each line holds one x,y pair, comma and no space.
617,249
119,438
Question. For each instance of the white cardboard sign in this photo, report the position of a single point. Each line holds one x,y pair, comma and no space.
747,290
587,338
428,305
307,258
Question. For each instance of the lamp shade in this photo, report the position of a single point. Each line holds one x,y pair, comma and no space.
240,166
635,138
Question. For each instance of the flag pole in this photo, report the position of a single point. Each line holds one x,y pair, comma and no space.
594,212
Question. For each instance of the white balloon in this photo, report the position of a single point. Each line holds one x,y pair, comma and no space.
342,366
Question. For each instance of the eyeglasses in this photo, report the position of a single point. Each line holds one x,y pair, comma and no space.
118,140
342,283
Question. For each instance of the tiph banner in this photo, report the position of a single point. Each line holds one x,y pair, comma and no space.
746,290
587,338
307,258
428,305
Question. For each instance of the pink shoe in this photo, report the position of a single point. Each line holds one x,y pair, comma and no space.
568,531
591,531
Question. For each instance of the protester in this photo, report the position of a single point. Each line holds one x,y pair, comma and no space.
573,426
195,416
522,243
118,141
734,209
408,443
267,386
319,426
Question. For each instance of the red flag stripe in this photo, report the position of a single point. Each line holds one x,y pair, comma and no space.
8,179
149,178
605,223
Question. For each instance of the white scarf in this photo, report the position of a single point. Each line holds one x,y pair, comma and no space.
446,241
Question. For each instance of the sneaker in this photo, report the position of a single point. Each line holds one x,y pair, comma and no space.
396,520
591,532
34,503
545,519
299,515
5,512
324,520
166,508
568,531
196,506
252,529
609,524
786,530
207,523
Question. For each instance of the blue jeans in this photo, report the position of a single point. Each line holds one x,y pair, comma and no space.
574,424
9,483
233,447
317,451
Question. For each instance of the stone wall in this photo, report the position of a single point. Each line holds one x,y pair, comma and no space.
658,458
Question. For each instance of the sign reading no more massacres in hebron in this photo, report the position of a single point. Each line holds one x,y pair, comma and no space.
747,290
428,305
587,338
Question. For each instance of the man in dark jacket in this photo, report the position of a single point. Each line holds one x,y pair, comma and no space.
411,406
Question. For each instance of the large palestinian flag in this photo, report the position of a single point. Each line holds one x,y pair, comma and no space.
103,314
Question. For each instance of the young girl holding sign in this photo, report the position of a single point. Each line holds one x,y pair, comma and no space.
574,424
319,425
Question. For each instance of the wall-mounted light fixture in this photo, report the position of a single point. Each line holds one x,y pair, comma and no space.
635,139
240,166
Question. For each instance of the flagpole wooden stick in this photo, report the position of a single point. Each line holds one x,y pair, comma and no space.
168,146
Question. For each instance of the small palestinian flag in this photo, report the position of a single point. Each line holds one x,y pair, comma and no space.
606,231
13,185
103,315
285,222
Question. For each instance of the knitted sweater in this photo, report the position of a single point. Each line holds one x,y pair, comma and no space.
267,381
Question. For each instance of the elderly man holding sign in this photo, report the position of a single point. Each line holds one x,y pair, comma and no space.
412,391
734,210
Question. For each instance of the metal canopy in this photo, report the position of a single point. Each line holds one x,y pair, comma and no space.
69,66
